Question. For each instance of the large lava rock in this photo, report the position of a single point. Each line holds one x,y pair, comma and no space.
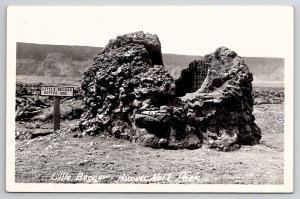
128,93
219,98
127,75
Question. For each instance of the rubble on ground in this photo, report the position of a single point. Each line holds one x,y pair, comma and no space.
31,106
69,110
268,96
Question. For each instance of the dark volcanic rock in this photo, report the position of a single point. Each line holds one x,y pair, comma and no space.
268,95
29,106
124,78
224,102
150,42
128,93
192,77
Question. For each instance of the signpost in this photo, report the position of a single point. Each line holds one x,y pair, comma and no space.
57,92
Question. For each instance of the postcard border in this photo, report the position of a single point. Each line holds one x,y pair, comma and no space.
11,186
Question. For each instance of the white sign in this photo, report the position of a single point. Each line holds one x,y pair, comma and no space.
57,91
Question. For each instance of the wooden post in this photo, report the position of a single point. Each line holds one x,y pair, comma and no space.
56,92
56,113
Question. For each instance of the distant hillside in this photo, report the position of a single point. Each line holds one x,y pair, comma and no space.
175,63
263,68
266,69
72,61
54,60
39,51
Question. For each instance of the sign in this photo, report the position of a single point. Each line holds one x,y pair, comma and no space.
57,91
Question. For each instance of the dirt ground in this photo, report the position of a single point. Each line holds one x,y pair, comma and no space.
60,158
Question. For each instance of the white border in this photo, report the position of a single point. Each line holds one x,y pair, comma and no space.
11,186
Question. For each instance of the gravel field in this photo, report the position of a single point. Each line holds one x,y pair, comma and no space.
60,158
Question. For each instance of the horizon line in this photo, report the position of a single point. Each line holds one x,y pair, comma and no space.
162,52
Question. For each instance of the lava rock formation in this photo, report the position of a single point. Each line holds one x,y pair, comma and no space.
129,94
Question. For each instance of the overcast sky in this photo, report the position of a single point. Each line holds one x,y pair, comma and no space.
250,31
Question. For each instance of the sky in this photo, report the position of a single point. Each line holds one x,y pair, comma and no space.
264,31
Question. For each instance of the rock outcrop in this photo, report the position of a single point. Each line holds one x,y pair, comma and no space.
124,77
128,93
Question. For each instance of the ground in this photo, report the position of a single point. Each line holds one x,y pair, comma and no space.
60,158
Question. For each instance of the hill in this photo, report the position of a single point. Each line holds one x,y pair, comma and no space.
54,60
39,52
72,61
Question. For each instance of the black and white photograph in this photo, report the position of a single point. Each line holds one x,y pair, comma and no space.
149,99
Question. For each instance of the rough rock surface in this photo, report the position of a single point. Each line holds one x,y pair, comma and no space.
222,102
124,78
268,96
128,93
30,106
